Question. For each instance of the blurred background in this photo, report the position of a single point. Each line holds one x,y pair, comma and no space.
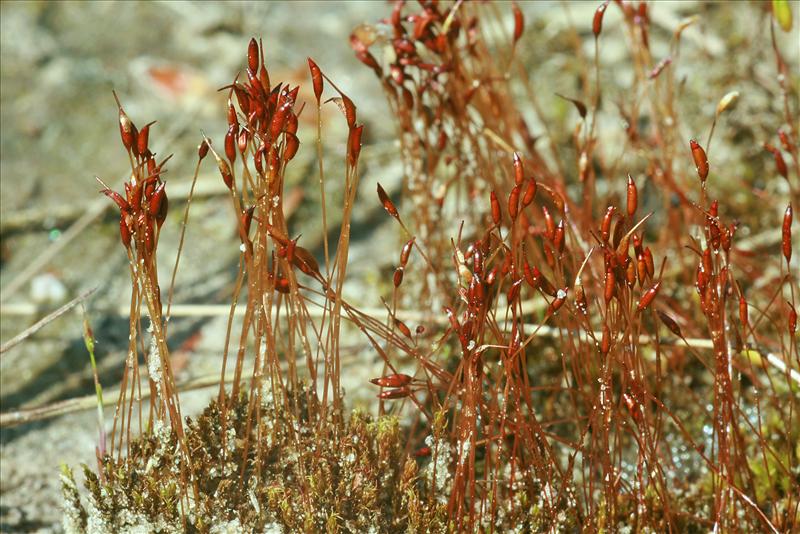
166,60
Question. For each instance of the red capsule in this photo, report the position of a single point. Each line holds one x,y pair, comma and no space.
641,270
743,311
202,150
561,298
708,266
252,55
670,323
225,171
549,224
230,142
633,197
530,192
513,202
490,277
156,198
558,237
610,285
785,141
124,231
422,452
495,208
142,139
786,231
406,252
519,172
117,198
349,111
126,130
597,21
396,380
605,342
700,160
519,21
513,292
282,285
780,163
397,278
398,393
648,297
792,320
388,205
354,144
305,261
630,271
543,283
403,328
605,229
648,260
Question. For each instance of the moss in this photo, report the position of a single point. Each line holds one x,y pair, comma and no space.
307,480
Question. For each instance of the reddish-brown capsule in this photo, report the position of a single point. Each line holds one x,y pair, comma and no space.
422,452
561,298
354,144
282,285
252,55
780,163
786,231
708,266
117,198
519,21
316,79
202,150
154,205
519,172
605,342
743,311
406,252
530,192
648,297
225,171
550,225
670,323
630,271
558,237
641,270
541,282
786,143
142,139
792,320
241,141
349,111
597,21
633,197
230,143
513,202
403,328
648,260
398,393
495,208
387,203
700,160
610,285
397,278
124,231
126,130
513,291
396,380
605,229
